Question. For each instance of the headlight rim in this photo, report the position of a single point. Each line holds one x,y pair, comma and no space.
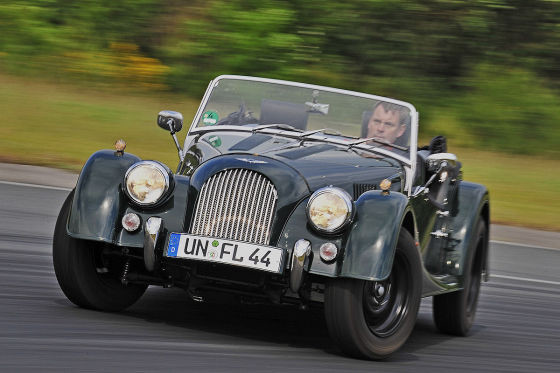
347,200
167,175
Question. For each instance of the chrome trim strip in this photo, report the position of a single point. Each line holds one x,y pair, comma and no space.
199,110
251,212
313,86
411,170
216,207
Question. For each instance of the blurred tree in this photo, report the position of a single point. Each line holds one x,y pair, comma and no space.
431,52
65,36
510,109
235,37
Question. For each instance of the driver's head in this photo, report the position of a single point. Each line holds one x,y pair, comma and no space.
388,121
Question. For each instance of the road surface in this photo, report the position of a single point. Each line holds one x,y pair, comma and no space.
517,328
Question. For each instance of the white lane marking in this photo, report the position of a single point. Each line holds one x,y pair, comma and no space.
184,346
525,245
35,185
526,279
69,189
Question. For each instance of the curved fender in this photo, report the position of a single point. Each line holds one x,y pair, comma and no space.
100,203
473,202
98,196
372,239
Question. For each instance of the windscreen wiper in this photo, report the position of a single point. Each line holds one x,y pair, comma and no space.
197,132
309,133
281,126
301,138
377,140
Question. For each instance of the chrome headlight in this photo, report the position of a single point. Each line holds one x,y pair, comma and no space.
146,182
329,209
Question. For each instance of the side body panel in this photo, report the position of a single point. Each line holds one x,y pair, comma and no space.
474,204
445,256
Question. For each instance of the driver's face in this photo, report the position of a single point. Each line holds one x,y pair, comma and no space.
385,125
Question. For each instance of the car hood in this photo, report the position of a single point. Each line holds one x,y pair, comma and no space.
324,164
316,165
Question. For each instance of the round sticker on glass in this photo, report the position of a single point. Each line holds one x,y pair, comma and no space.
210,118
216,142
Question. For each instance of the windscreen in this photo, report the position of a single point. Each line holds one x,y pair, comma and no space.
250,103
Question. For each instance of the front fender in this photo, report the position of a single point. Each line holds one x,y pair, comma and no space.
372,239
100,203
98,196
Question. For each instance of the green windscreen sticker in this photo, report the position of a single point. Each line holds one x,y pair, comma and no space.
210,118
215,141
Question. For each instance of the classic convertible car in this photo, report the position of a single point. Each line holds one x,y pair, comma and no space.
285,193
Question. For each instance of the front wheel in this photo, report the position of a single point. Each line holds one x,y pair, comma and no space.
86,278
372,319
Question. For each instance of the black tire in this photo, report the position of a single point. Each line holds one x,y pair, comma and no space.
75,265
454,312
365,324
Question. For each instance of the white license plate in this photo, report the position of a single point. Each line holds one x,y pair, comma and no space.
220,250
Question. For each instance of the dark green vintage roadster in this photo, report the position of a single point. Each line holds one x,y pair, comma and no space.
285,193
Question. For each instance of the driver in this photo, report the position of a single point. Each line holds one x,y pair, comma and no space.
388,122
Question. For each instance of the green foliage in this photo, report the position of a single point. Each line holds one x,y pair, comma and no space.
428,52
510,109
65,37
232,37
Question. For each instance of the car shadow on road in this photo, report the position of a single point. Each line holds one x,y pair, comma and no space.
268,324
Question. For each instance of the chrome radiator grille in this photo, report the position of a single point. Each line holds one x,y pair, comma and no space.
237,204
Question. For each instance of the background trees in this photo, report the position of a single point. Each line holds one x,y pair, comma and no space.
487,69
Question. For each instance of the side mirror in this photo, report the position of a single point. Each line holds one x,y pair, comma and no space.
170,120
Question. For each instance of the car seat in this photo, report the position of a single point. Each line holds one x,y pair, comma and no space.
283,112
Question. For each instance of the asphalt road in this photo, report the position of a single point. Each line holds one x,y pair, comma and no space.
517,327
